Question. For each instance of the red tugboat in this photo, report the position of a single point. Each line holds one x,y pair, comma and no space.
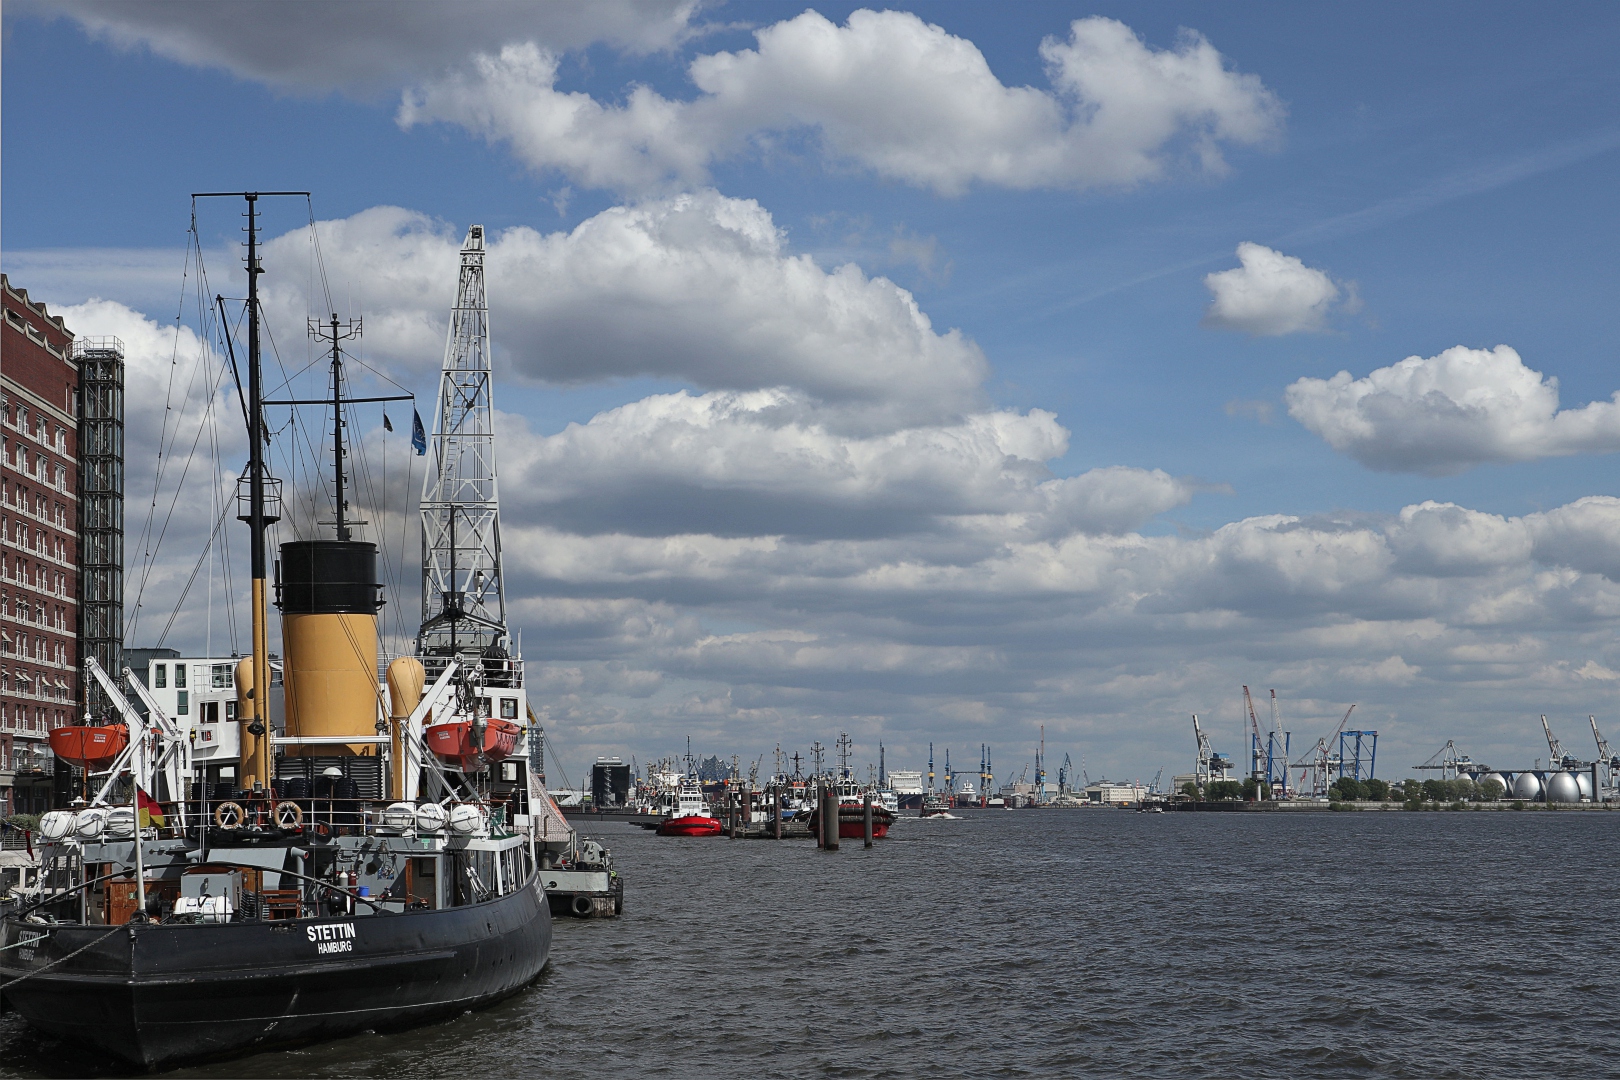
686,814
852,814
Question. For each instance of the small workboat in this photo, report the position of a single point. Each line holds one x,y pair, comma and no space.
686,814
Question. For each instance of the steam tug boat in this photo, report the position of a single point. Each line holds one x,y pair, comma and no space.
356,873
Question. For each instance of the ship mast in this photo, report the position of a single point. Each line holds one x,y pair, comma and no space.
463,593
254,508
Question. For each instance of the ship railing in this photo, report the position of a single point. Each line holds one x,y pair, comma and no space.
504,673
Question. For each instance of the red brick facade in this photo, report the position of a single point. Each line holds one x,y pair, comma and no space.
39,619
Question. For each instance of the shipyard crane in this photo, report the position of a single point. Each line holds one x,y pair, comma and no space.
1557,758
1607,758
1605,755
1450,762
1210,766
1040,766
1319,760
1256,755
1065,775
1154,787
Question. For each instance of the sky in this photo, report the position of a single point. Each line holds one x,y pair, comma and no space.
939,373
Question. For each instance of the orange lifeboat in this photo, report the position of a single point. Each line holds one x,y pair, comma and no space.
456,743
89,747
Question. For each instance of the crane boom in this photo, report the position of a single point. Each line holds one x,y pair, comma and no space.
1554,748
1606,755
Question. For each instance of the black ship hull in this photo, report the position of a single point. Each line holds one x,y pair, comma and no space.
161,994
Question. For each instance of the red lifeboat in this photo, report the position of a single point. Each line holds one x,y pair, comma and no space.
456,742
89,747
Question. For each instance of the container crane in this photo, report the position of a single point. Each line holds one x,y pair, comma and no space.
1211,766
1450,762
1266,750
1555,749
1319,761
1040,767
1605,755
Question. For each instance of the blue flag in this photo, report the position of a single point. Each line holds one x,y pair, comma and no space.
418,436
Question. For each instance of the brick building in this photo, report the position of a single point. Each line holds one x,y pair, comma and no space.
39,545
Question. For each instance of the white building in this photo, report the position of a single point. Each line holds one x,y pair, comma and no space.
1115,792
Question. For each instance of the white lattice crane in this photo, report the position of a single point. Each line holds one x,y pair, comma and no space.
1555,749
463,593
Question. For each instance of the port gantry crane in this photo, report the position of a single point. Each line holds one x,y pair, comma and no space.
1557,759
1272,750
1450,762
1319,761
1065,776
1606,757
1211,766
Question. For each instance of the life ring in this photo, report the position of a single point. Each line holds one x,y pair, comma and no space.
289,815
229,815
583,906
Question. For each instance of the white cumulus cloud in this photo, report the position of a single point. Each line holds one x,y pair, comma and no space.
1270,294
696,287
739,464
1445,414
885,92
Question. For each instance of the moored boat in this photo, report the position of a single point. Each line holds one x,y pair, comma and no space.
685,813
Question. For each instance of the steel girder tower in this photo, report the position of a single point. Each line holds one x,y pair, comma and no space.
463,594
101,508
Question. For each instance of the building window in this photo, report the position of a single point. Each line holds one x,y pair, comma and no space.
180,676
219,677
160,676
182,699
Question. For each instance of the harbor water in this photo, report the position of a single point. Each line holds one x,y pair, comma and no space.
1055,943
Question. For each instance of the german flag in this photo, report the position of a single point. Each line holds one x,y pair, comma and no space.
148,810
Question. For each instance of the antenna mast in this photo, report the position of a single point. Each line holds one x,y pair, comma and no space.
463,594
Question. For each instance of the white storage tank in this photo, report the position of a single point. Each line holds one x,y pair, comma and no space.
1507,788
1562,787
1584,779
1527,786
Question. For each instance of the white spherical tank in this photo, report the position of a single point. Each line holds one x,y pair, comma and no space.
1584,779
1507,788
1527,786
1562,787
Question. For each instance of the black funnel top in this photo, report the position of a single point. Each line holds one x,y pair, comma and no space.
329,577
